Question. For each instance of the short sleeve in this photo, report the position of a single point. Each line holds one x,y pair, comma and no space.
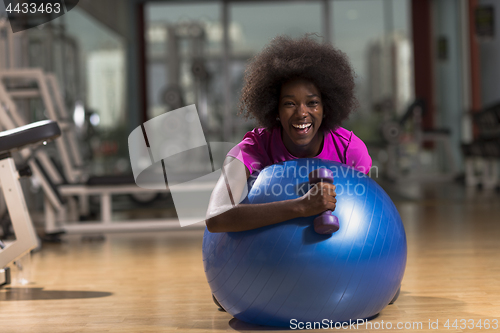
357,155
251,150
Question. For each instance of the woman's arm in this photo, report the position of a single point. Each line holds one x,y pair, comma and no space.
225,214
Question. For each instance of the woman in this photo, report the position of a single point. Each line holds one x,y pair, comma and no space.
299,91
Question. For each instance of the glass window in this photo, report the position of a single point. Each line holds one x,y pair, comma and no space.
96,78
184,60
375,35
253,25
257,23
182,37
88,60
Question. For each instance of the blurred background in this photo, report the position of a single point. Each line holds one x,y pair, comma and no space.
427,74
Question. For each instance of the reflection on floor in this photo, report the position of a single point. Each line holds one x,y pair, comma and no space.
154,282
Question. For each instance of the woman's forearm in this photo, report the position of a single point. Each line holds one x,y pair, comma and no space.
223,216
251,216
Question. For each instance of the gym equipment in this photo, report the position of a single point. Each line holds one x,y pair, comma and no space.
24,78
60,189
66,191
270,275
10,141
482,154
393,133
174,95
326,223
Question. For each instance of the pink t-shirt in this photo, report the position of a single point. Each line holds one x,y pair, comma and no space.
260,148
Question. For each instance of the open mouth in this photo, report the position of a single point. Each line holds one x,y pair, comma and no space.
302,128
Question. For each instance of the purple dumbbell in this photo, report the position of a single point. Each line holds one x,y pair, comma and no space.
326,223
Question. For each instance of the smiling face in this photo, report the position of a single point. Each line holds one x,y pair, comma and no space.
301,112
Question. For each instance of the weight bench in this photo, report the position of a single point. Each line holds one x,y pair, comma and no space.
11,141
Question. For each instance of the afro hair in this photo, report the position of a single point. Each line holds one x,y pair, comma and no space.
284,59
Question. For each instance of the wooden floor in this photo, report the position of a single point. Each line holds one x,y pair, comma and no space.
155,282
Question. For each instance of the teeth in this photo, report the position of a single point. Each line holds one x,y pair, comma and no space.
301,125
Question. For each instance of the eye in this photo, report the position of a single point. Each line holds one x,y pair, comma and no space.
314,103
288,103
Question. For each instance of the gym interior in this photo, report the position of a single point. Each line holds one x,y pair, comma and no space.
87,245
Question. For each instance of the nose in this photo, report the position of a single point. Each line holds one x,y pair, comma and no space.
302,110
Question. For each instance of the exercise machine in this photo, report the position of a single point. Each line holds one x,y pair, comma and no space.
60,189
67,189
10,142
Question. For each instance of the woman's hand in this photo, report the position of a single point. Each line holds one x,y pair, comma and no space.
319,198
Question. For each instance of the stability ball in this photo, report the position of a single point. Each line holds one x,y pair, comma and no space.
287,271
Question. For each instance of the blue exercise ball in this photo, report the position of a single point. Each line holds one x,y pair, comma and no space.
287,273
